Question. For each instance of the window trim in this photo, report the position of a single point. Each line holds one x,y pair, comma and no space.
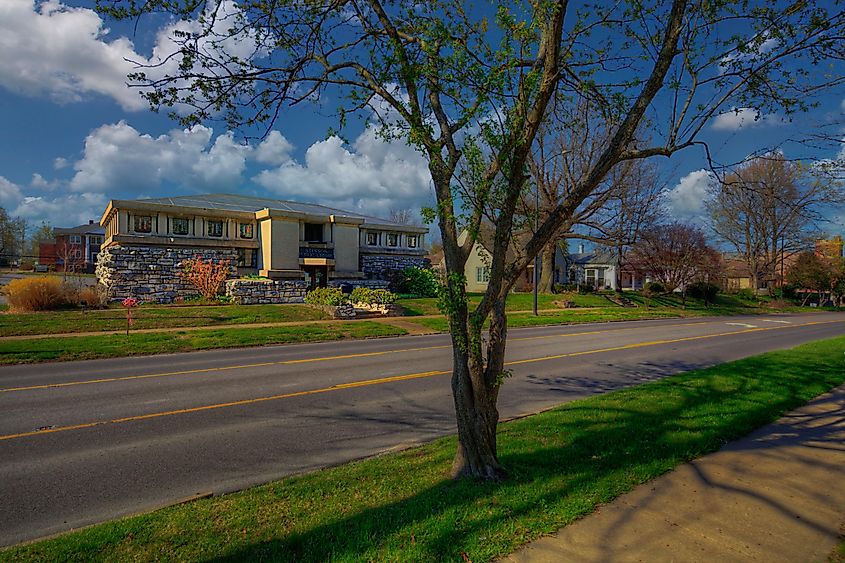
376,236
250,227
209,223
482,274
137,220
187,226
395,241
410,238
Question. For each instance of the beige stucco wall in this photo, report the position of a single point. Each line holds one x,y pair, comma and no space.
283,244
478,258
346,248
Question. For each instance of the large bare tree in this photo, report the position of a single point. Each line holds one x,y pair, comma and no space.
469,87
769,209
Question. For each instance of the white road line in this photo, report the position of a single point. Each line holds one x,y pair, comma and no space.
776,321
746,325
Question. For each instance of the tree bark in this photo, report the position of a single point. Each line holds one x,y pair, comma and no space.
547,262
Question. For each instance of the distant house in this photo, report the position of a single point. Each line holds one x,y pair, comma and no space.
75,249
599,269
477,268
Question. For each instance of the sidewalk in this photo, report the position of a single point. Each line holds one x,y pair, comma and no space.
776,495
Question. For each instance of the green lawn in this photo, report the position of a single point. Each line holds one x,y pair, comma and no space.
516,302
137,344
402,507
152,316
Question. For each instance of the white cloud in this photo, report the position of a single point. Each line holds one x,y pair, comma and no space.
65,210
372,176
60,163
117,157
274,150
737,118
51,49
686,199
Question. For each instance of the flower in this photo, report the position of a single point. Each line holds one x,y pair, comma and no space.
130,302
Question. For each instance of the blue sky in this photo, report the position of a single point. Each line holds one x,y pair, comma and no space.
74,136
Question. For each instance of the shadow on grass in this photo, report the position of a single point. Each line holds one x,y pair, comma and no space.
563,463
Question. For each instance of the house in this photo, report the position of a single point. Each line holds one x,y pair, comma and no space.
831,248
599,268
477,267
146,240
75,249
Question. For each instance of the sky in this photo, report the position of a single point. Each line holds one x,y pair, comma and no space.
74,135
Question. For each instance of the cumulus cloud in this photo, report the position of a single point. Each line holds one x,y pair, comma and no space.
60,163
372,176
62,210
65,53
686,199
737,118
274,149
118,157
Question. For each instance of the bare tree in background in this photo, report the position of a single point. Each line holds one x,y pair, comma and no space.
401,216
769,209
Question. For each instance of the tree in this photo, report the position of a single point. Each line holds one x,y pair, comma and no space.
767,210
401,216
810,273
44,233
675,255
469,89
12,237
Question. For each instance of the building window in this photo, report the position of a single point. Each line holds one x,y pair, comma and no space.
591,277
247,258
215,228
96,239
75,239
412,241
143,224
246,230
392,239
313,232
180,226
372,239
482,274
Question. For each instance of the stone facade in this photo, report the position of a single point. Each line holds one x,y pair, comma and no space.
151,273
387,266
251,291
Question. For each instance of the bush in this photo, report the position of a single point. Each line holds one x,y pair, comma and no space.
38,293
564,288
206,276
326,296
705,291
421,282
94,296
745,294
586,288
372,296
654,288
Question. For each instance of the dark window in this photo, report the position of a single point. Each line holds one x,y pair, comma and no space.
215,228
180,226
372,239
246,230
143,224
313,232
247,258
482,274
392,239
75,239
412,241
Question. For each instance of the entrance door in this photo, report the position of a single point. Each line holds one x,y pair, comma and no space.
318,276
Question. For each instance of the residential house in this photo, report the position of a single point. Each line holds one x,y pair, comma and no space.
146,239
599,268
75,249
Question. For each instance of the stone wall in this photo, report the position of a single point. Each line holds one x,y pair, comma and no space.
150,273
250,292
387,266
369,284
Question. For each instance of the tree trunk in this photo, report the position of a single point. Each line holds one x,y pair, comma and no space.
475,388
547,262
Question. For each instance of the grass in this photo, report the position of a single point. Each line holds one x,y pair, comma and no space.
402,507
152,316
136,344
516,302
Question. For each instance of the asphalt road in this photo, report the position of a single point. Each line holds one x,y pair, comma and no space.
84,442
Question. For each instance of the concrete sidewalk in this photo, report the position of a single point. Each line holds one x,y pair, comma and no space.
776,495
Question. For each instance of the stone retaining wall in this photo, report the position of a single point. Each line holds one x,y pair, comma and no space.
151,273
252,291
387,266
369,284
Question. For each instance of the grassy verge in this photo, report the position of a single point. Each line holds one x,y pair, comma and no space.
136,344
401,507
54,322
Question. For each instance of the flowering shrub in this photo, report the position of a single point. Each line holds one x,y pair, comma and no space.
36,293
326,296
207,276
372,296
129,303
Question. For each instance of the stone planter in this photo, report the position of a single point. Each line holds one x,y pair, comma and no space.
257,291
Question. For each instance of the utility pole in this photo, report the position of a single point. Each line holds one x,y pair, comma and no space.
537,257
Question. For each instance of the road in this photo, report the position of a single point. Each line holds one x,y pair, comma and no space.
84,442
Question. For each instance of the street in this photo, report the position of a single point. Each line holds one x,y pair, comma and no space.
85,442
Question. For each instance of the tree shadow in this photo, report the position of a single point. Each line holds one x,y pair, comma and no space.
562,464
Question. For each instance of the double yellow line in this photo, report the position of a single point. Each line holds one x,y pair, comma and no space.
384,380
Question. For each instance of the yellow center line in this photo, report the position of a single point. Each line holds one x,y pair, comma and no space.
383,380
300,361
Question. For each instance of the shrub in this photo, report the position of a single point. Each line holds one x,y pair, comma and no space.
585,288
206,276
422,282
705,291
94,296
564,287
745,294
36,293
654,288
326,296
372,296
